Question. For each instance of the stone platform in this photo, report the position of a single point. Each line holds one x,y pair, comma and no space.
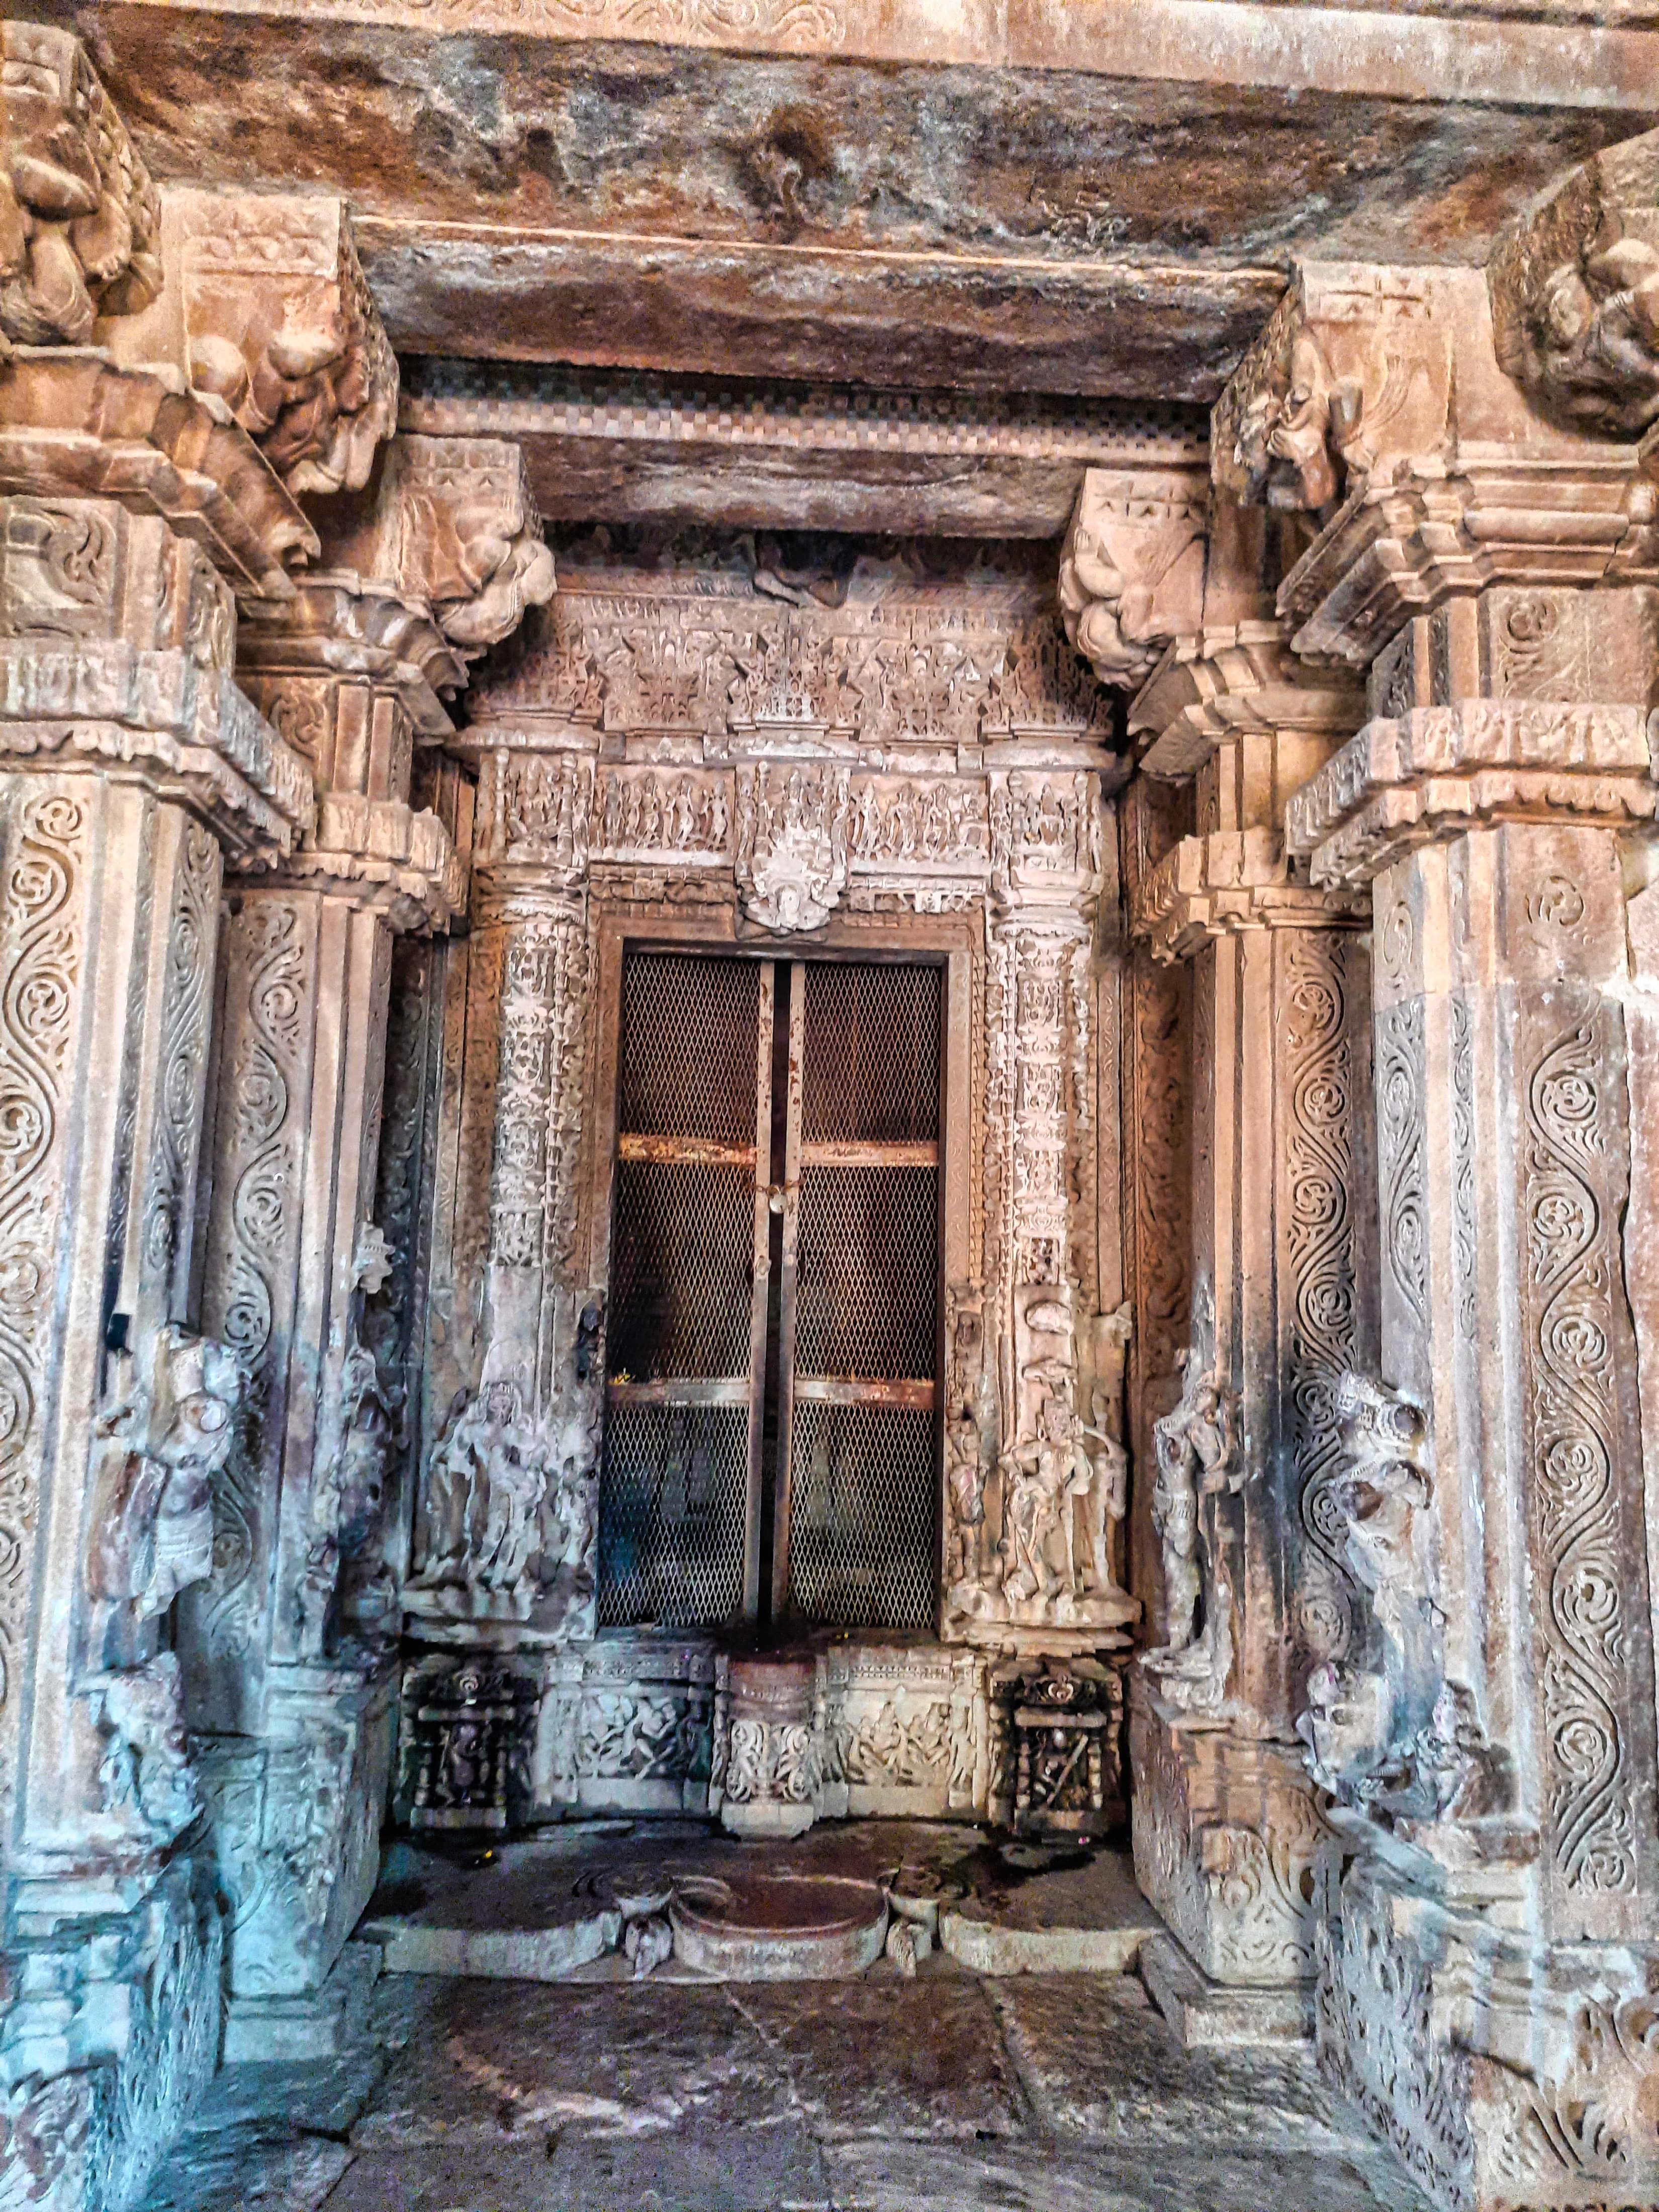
950,2092
556,1906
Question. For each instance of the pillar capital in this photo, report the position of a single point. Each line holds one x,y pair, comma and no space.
1375,404
1574,288
449,525
116,639
1226,883
264,305
79,218
1132,568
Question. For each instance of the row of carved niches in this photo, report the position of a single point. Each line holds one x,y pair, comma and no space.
708,645
640,1722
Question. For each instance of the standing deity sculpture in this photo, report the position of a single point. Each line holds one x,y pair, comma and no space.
1196,1448
511,1513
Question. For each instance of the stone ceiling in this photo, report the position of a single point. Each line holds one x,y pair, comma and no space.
1089,197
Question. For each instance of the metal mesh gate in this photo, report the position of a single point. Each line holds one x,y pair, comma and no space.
681,1434
858,1541
774,1294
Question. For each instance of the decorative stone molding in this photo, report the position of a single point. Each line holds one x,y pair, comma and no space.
264,307
1439,771
381,855
1230,881
1232,681
1574,285
1132,568
79,221
76,426
86,676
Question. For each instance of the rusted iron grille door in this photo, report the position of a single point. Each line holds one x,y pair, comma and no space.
855,1537
775,1293
680,1484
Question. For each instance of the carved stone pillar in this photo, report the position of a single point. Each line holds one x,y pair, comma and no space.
1037,1485
506,1522
1486,1740
1226,1828
131,766
289,1651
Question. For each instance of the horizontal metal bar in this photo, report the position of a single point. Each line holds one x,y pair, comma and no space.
688,1390
701,1151
837,1154
909,1393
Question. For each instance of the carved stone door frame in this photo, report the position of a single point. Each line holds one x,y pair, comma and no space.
955,941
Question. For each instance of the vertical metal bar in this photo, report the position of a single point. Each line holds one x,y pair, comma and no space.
786,1280
752,1531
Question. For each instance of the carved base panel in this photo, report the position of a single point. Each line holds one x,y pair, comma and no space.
1206,2014
1504,2077
1225,1835
297,1813
626,1726
893,1727
111,2041
321,2024
905,1728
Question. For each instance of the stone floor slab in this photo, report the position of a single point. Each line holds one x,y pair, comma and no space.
923,2058
495,2060
756,2170
910,2176
1098,2061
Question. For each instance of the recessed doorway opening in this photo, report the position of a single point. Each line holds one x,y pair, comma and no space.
771,1447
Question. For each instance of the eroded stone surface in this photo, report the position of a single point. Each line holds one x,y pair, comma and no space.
1098,2061
921,2058
607,2060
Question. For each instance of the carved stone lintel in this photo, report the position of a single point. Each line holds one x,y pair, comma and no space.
1574,285
1132,568
79,220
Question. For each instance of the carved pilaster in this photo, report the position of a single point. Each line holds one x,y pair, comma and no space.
1224,1822
1486,1736
129,765
1053,1488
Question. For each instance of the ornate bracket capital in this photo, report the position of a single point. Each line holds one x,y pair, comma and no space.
1375,403
451,525
264,307
79,219
1438,771
1574,286
1132,568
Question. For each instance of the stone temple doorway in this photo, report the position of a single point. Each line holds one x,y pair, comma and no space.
771,1435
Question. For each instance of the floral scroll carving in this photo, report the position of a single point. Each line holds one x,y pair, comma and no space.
1571,1263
